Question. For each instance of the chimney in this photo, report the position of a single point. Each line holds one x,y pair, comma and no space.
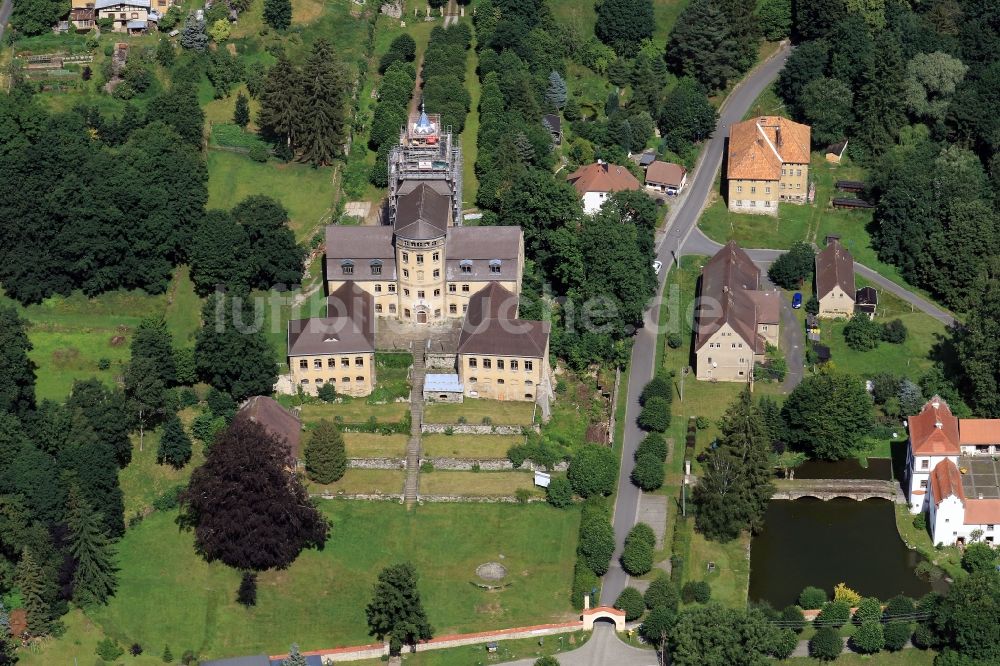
980,496
777,136
938,425
936,402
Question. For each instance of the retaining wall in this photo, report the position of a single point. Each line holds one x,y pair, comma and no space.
475,429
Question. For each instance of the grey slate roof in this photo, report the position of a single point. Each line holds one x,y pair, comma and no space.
726,282
276,419
258,660
104,4
362,246
476,247
491,327
834,266
422,214
348,328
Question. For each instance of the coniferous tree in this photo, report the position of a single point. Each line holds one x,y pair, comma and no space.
281,103
623,24
275,257
94,579
29,578
175,445
168,656
233,356
881,100
153,341
193,36
104,409
396,611
278,13
241,111
294,658
556,93
218,254
326,459
701,45
247,594
165,52
246,507
323,106
17,371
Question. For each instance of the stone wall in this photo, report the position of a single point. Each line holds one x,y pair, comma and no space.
475,429
499,499
439,361
366,497
485,464
376,463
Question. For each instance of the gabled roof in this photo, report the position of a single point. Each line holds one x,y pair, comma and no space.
491,327
834,267
665,173
422,214
979,431
982,511
726,281
552,122
347,328
603,177
946,481
866,296
934,431
758,147
361,246
104,4
475,247
276,419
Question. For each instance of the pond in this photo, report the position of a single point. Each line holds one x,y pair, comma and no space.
812,542
878,468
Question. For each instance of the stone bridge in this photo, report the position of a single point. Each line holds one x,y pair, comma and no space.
828,489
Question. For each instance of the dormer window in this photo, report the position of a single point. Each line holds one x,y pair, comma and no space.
347,267
465,265
494,265
376,266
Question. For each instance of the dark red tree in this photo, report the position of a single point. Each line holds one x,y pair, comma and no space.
246,506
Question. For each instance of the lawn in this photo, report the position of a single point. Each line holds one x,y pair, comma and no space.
731,578
307,192
477,484
368,445
175,598
468,446
949,558
354,410
364,482
522,648
478,410
72,334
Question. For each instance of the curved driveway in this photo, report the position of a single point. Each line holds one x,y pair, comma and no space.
681,223
603,649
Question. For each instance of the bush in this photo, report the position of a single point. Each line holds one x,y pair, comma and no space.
869,610
812,598
657,624
657,387
701,423
979,557
630,601
896,635
648,472
869,639
644,533
674,340
793,618
326,393
584,580
861,333
843,593
920,521
169,499
593,471
426,467
899,606
661,592
559,493
546,661
655,415
109,650
833,614
522,495
812,305
653,444
103,364
696,591
923,636
637,554
826,644
894,332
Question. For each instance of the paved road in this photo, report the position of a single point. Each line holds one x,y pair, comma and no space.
603,649
679,226
5,9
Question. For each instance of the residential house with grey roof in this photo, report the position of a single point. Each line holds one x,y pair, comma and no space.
835,281
735,319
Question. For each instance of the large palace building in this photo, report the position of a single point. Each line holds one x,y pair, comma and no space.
421,268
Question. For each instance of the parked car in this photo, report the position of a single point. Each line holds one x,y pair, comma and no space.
657,265
796,300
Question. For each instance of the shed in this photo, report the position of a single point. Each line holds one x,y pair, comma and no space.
866,300
850,186
136,24
851,203
835,151
443,388
553,124
822,352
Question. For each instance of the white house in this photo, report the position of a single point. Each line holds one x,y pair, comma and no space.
951,473
595,182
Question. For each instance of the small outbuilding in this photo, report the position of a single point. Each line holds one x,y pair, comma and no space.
866,300
443,388
666,177
822,353
553,124
835,152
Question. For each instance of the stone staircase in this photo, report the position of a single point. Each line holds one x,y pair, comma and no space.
411,489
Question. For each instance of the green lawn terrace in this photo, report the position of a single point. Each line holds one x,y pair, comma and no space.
168,595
